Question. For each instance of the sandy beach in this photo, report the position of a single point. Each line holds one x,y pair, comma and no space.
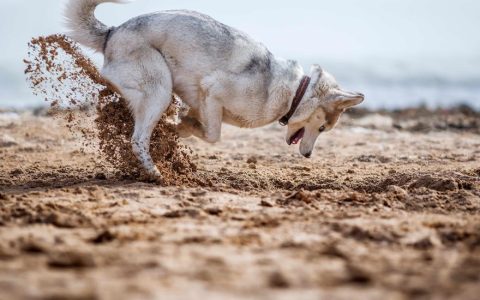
387,208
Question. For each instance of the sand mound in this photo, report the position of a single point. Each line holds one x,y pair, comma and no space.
58,71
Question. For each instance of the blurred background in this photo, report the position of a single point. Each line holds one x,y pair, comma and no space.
400,53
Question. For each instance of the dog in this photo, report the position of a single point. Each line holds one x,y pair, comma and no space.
222,74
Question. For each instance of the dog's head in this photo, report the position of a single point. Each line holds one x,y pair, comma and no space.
323,104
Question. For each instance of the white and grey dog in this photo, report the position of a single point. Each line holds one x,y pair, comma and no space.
220,72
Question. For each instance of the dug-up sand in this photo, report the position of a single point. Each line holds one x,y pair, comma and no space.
388,208
58,71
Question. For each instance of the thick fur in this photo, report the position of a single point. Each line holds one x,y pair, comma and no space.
220,72
83,26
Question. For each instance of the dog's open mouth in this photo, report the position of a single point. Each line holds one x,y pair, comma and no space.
297,137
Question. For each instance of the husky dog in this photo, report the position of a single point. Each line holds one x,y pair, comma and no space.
221,73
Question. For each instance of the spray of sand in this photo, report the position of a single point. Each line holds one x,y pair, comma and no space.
58,71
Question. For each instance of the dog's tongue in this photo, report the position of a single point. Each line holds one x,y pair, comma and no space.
298,136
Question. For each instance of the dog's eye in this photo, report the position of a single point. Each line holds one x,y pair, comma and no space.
322,129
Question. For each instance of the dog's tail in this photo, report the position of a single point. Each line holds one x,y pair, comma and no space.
84,26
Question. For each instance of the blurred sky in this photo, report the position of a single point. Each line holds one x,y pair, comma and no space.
430,37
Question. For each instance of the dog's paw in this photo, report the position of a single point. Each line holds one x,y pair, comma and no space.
152,176
149,178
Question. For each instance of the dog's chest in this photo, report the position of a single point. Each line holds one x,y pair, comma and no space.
250,114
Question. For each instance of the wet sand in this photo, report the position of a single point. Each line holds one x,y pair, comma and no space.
388,208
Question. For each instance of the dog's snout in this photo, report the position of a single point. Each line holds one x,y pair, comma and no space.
361,95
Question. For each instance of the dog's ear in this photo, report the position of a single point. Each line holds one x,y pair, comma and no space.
344,100
316,73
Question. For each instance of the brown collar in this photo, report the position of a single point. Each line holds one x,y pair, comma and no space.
302,89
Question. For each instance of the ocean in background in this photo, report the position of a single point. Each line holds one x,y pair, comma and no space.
386,85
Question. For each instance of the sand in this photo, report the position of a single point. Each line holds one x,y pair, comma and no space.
388,208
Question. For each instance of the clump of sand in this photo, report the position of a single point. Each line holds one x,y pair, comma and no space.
58,71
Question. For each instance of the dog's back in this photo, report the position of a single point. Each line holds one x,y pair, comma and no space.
183,37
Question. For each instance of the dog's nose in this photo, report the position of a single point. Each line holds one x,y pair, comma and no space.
361,95
308,155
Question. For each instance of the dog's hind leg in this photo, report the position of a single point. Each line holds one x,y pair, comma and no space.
145,82
146,117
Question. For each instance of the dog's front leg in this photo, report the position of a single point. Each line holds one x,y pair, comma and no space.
211,117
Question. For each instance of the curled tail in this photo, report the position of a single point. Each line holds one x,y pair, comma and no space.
84,26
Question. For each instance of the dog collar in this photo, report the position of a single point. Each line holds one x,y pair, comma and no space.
302,89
